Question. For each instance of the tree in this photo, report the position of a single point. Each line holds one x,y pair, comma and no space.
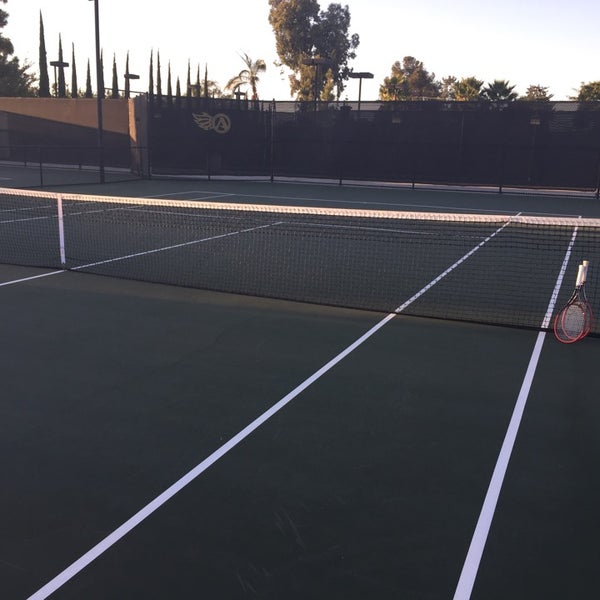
15,81
588,92
6,47
303,32
248,76
158,76
188,85
14,78
115,80
44,84
88,82
169,86
467,89
210,88
127,84
336,44
197,87
74,86
178,94
537,93
447,88
151,78
61,90
102,90
293,23
409,80
499,90
207,87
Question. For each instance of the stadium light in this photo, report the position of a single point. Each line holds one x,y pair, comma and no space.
360,76
99,92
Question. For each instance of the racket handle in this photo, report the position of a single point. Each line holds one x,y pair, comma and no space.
585,265
580,276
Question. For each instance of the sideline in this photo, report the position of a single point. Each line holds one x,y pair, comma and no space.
486,516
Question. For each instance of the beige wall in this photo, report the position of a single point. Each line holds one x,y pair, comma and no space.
75,111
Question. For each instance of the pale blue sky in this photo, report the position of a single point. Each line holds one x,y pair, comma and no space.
551,43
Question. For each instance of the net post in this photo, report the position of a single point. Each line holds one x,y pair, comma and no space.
61,229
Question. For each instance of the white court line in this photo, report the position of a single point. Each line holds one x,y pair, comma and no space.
143,253
165,248
209,195
152,506
437,207
32,277
482,529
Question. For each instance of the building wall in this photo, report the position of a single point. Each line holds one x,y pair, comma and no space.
74,111
65,130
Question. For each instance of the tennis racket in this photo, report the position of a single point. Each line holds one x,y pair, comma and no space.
575,319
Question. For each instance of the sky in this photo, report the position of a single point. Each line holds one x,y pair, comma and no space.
552,43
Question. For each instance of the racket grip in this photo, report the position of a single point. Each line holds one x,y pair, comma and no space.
585,265
580,276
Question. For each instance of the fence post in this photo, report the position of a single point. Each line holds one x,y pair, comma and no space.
598,177
272,110
501,168
41,167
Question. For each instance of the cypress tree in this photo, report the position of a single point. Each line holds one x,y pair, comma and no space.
74,86
169,87
88,82
44,89
62,86
178,95
151,78
102,91
158,78
188,87
115,80
127,87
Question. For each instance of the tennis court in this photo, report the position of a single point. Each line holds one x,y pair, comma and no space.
165,440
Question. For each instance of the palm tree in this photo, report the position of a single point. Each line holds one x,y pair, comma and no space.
499,90
249,75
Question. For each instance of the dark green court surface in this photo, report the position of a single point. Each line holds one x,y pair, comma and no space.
167,442
369,483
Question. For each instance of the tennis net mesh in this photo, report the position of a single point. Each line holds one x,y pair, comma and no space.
495,269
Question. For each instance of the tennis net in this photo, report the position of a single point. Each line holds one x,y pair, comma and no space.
494,269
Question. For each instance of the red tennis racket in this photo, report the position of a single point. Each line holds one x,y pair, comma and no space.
575,319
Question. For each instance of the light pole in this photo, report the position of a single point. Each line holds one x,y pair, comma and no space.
60,64
315,62
99,92
360,76
128,78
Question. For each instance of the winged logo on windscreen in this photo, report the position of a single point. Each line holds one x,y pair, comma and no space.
219,123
